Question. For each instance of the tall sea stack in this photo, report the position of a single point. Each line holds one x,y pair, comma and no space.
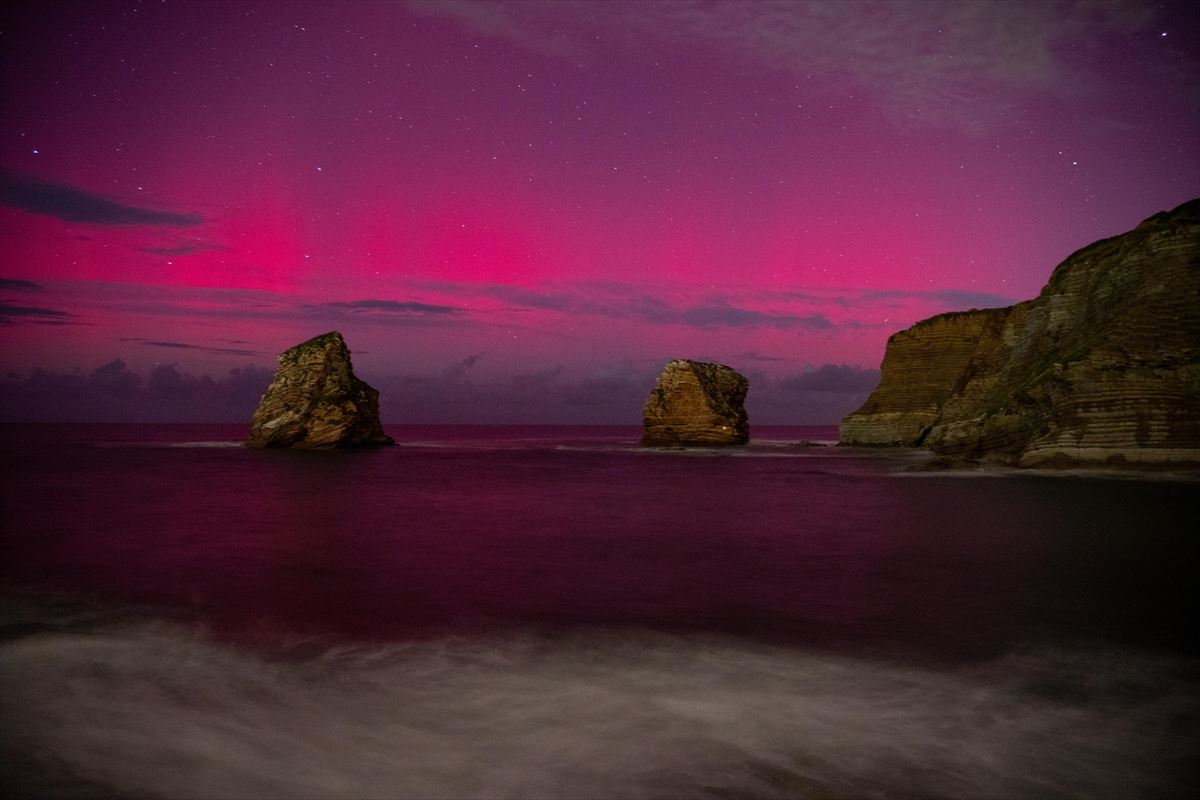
315,402
1102,367
696,403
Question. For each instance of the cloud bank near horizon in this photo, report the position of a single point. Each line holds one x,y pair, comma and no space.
610,395
580,326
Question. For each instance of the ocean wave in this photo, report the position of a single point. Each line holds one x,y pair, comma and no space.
155,708
152,445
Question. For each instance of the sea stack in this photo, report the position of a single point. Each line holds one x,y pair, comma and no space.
696,403
1103,367
315,402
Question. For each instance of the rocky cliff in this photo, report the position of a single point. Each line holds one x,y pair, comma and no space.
316,402
1102,367
696,403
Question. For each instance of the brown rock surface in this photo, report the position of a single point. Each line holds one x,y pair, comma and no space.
696,403
1102,367
315,401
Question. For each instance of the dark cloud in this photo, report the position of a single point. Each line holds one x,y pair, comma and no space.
549,396
115,380
538,378
838,378
75,205
957,298
392,307
711,316
760,357
971,299
114,393
609,395
459,370
216,351
12,315
524,298
11,285
554,395
627,303
622,391
185,249
647,308
530,299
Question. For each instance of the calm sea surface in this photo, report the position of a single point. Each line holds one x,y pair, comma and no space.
557,612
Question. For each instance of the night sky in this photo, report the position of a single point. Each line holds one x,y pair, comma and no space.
517,212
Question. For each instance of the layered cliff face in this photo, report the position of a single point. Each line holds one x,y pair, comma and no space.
315,401
696,403
1102,367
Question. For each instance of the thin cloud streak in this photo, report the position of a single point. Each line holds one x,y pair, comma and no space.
13,315
392,307
210,350
75,205
186,249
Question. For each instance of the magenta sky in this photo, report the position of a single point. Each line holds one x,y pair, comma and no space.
516,212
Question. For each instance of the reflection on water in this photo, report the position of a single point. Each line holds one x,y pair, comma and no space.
538,612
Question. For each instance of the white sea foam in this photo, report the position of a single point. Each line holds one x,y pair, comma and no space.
152,445
153,709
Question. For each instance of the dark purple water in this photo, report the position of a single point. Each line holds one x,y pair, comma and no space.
558,612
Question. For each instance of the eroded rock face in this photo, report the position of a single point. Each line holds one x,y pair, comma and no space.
696,403
315,401
1102,367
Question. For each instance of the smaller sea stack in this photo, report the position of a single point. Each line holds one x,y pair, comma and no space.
315,402
696,403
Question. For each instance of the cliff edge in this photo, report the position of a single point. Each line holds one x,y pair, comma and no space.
316,402
696,403
1103,367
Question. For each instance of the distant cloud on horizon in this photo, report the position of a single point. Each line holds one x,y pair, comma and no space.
76,205
611,394
114,393
834,378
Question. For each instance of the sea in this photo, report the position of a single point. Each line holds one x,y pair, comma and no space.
557,612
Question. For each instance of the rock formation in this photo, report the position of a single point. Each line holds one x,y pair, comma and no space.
1102,367
316,402
695,403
